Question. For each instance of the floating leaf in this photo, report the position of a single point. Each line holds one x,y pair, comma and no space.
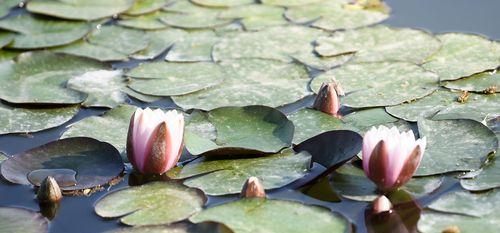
96,163
256,16
141,97
264,215
149,21
79,9
102,86
22,220
289,2
467,203
222,3
431,222
365,119
192,47
251,82
207,227
484,82
470,142
239,130
380,84
151,204
488,177
310,59
168,79
8,55
477,107
6,38
7,5
278,43
226,176
112,127
36,32
380,43
63,177
160,40
204,18
38,78
309,123
29,120
145,6
332,15
352,183
103,44
462,55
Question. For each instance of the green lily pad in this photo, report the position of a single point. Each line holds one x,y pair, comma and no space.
168,79
63,177
103,44
477,107
311,59
272,216
6,38
6,55
380,84
473,212
462,55
96,163
207,227
251,82
380,43
79,9
278,43
289,2
35,32
352,183
481,83
149,21
151,204
363,120
38,78
488,177
29,120
141,7
227,176
309,123
192,47
222,3
160,40
470,142
239,130
22,220
140,96
203,18
332,15
111,127
7,5
104,87
256,16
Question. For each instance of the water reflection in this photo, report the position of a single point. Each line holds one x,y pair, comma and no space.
402,219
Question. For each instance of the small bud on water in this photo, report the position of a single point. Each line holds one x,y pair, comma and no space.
253,188
49,191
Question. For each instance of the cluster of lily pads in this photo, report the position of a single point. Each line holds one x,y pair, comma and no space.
243,73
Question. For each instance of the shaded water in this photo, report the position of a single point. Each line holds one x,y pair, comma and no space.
76,214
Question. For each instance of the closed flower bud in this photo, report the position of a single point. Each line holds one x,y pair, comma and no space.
49,191
390,158
327,99
155,140
253,188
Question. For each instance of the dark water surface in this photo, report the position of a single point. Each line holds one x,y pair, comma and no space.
76,214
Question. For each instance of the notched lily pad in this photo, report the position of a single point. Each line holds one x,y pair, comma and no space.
205,227
79,9
160,41
145,6
487,178
226,175
151,204
222,3
95,163
193,46
264,215
238,131
184,14
22,220
64,177
103,87
487,82
256,16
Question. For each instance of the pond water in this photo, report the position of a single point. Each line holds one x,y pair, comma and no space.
76,214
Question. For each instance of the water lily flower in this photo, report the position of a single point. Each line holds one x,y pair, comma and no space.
390,158
327,100
155,140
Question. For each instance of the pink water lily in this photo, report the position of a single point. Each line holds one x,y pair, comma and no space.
155,140
390,157
327,100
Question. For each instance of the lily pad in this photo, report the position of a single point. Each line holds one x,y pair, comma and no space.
483,83
256,16
111,127
289,2
35,32
239,130
488,177
462,55
22,220
363,120
38,78
6,55
311,59
477,107
104,87
272,216
6,38
160,41
141,7
226,176
192,47
6,6
251,82
168,79
222,3
309,123
29,120
470,142
431,222
206,227
332,15
79,9
380,43
380,84
151,204
149,21
141,97
467,203
103,44
278,43
352,183
96,163
204,18
63,177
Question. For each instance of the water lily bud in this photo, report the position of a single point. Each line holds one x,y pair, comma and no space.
253,188
327,99
155,140
49,191
381,204
390,157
